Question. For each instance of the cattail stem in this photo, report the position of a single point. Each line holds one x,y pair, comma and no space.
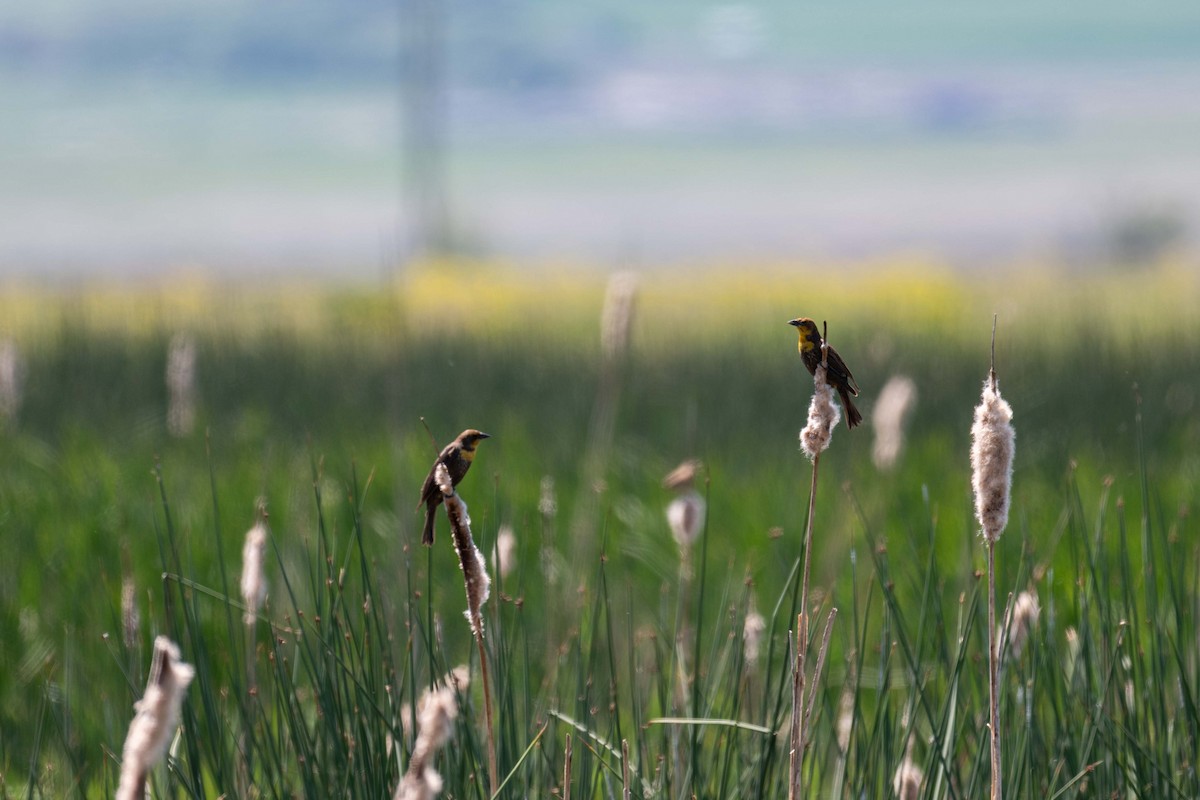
566,791
992,449
799,729
802,624
493,769
626,792
993,672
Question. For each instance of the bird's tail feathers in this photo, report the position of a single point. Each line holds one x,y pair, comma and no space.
427,533
853,417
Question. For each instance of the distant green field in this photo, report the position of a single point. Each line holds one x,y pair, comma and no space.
312,399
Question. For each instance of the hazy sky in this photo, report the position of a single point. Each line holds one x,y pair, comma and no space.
141,137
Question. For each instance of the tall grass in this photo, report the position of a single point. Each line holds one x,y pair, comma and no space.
646,677
1101,700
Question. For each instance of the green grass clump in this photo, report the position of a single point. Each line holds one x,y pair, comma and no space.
599,640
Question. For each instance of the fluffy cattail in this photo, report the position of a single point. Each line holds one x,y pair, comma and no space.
254,585
906,783
547,499
845,719
435,719
470,560
131,619
1023,618
616,319
1074,650
823,415
685,515
896,401
992,446
181,385
156,719
752,635
504,559
457,679
10,380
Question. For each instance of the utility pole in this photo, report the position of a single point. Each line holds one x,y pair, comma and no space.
424,227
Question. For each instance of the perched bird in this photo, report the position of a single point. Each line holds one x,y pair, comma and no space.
457,456
837,373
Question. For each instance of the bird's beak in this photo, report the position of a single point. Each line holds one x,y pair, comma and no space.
795,322
483,435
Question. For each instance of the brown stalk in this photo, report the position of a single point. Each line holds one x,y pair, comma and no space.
477,582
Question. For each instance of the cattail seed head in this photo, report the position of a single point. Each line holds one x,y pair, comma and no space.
1022,620
470,560
435,718
752,635
685,516
993,442
479,587
845,719
10,380
906,783
131,618
504,559
254,585
181,385
823,415
896,401
547,500
156,719
616,320
441,476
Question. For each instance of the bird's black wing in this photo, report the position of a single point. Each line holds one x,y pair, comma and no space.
838,367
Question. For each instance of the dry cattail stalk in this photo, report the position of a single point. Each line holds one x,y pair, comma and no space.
478,586
992,446
504,557
906,783
1022,619
753,629
470,560
567,768
10,380
254,585
896,401
156,719
685,513
181,385
616,324
823,415
616,320
438,710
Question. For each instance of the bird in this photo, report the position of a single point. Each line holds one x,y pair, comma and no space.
837,373
457,457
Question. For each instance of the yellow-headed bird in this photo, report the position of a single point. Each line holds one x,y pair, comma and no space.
457,456
836,372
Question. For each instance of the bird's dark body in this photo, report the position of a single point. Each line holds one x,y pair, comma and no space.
836,371
457,456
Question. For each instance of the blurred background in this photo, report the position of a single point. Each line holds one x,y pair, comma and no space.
345,139
282,251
